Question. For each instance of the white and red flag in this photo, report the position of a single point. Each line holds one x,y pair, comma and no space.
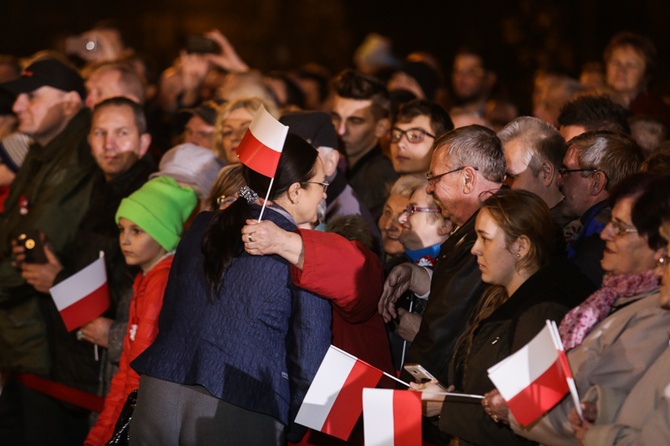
536,377
334,401
83,296
391,417
262,144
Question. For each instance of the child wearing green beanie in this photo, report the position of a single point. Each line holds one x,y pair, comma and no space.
151,221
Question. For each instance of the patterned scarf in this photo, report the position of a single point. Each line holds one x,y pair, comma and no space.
580,320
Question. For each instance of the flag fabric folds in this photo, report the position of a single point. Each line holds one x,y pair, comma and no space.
334,401
83,296
535,378
391,417
262,144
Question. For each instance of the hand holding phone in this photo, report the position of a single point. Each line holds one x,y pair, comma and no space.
33,246
420,374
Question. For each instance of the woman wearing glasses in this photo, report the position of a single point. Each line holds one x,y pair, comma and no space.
615,334
517,256
424,229
641,416
238,344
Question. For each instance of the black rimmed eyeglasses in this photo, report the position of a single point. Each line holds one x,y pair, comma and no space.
564,170
433,179
323,184
414,136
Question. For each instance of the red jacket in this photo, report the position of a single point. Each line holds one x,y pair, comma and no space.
351,276
145,307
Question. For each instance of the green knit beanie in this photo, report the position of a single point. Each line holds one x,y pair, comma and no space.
160,207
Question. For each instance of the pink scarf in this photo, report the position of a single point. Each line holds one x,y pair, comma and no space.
580,320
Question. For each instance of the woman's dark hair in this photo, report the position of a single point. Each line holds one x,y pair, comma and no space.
652,208
222,240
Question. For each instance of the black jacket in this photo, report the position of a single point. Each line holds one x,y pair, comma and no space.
548,294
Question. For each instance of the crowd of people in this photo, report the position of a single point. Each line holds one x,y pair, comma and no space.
414,218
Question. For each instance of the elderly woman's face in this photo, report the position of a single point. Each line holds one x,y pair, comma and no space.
625,70
626,252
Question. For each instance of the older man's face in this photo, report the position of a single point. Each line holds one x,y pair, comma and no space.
41,113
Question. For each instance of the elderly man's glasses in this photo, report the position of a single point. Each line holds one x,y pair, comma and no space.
565,170
433,179
414,136
620,228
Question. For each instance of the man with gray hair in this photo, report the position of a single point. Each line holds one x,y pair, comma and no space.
466,163
534,152
593,165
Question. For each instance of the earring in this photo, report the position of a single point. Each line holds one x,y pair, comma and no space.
518,255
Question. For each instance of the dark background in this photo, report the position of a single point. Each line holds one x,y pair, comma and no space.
519,35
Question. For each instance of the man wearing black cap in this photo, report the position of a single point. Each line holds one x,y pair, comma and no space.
50,194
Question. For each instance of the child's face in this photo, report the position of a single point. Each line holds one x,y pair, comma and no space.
138,247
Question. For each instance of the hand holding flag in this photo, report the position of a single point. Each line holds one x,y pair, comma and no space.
83,296
536,377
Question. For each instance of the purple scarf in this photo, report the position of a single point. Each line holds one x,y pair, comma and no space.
580,320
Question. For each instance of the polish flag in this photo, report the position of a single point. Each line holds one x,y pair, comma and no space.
334,401
391,417
262,144
536,377
83,296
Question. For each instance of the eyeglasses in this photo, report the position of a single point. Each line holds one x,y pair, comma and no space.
323,184
664,261
564,170
414,136
413,209
433,179
621,228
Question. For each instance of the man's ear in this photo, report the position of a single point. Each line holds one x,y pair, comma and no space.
330,158
547,173
72,103
598,183
145,142
382,126
469,179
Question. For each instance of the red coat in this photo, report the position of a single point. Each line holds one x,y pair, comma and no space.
145,307
351,276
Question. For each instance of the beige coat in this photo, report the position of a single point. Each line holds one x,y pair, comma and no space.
616,354
641,417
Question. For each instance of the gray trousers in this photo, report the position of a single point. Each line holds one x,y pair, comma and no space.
174,414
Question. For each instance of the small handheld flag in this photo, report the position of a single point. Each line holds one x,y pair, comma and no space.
536,377
83,296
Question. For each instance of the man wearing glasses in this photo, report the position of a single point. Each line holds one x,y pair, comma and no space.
593,165
417,124
467,164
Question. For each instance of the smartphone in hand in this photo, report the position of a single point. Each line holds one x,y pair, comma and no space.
31,240
420,374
